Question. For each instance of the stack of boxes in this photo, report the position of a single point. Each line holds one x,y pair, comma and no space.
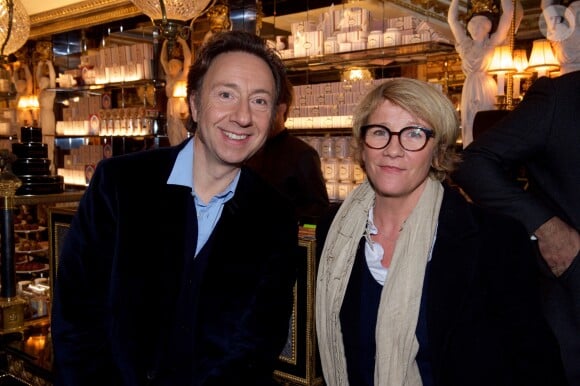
114,64
353,29
327,105
80,164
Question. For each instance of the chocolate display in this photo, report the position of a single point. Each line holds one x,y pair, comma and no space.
32,164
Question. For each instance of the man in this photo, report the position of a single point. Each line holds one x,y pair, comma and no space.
292,166
543,133
179,265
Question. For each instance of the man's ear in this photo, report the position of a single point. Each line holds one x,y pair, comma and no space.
192,108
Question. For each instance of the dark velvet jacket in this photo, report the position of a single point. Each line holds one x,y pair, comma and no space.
485,324
132,306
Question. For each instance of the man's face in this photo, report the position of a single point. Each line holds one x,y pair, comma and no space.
234,112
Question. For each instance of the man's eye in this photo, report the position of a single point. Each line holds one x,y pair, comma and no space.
225,95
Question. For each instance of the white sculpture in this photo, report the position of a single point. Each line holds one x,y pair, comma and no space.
176,73
563,33
475,48
46,78
22,78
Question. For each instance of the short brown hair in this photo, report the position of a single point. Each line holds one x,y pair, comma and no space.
233,41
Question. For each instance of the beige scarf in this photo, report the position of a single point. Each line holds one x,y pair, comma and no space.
396,342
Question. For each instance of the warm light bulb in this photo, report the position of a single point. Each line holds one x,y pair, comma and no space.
520,60
501,64
542,58
180,89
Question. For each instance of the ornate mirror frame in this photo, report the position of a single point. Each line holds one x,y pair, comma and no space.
85,14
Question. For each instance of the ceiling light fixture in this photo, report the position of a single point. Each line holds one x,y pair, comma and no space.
172,16
14,26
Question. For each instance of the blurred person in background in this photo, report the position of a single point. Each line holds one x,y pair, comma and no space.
543,135
291,165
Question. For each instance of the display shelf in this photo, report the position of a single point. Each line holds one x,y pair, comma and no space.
98,89
416,53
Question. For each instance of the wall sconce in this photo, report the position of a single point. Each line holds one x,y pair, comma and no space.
180,93
542,59
521,64
501,64
353,74
29,104
171,16
180,89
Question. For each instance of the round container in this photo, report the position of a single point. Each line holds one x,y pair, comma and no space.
346,170
375,39
359,174
332,190
330,45
30,150
30,134
342,147
330,169
344,188
392,37
327,147
31,166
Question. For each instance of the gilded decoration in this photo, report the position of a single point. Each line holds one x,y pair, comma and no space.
82,15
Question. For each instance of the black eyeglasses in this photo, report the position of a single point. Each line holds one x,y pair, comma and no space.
411,138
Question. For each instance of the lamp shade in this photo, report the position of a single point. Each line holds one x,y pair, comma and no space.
174,9
520,61
542,58
502,60
20,28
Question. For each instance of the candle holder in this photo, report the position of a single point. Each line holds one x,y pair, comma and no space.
501,102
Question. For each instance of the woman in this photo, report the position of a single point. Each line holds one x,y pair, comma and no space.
438,291
475,48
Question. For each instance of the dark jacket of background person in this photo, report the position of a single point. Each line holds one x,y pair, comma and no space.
293,167
119,316
484,321
543,134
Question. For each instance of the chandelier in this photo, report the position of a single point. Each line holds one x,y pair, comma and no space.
172,16
14,26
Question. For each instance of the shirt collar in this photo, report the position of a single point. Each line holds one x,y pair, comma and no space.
182,174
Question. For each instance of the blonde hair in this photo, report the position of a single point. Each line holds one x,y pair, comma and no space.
423,101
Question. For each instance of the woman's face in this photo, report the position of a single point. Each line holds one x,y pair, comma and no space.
479,27
394,171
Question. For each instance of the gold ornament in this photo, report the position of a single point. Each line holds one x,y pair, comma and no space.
479,7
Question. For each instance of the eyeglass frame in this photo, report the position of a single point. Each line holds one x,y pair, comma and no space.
365,128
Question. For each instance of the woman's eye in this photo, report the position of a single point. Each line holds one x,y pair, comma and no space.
414,133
